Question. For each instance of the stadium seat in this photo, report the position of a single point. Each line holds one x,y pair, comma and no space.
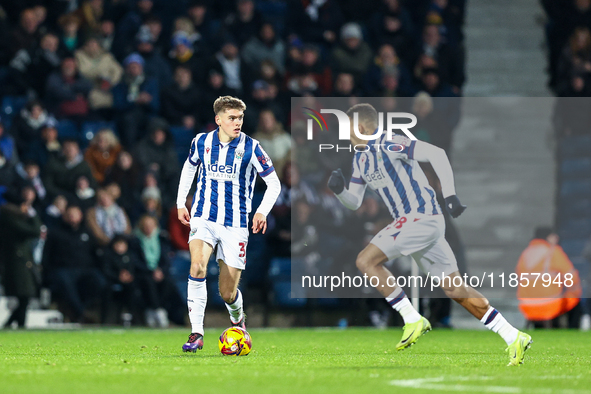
574,188
576,168
67,129
575,229
280,268
573,247
11,106
574,208
575,146
282,295
89,129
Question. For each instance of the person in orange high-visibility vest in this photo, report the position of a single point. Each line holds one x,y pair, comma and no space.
553,294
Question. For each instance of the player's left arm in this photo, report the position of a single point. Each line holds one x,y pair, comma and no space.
265,168
425,152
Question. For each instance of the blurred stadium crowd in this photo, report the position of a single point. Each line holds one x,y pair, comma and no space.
568,39
101,98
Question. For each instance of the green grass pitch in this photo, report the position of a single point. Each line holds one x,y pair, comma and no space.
290,360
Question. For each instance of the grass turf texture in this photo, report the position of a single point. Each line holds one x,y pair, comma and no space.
291,360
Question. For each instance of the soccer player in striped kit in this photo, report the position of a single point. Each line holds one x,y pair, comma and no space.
391,169
226,162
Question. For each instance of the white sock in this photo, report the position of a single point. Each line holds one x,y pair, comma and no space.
196,301
399,301
235,308
493,320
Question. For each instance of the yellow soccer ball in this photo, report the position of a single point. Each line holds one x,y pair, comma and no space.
235,341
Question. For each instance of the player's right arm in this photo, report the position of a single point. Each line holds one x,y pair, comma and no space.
351,197
187,175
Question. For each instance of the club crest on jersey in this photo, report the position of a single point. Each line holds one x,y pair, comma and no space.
239,154
193,232
207,149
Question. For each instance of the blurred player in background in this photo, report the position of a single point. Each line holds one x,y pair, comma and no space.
391,169
226,162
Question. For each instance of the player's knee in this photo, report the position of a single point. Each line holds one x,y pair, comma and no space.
363,262
198,270
228,295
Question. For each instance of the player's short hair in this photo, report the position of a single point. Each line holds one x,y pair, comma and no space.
366,112
224,103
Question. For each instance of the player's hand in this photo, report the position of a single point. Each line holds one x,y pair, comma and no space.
259,222
183,216
336,182
454,206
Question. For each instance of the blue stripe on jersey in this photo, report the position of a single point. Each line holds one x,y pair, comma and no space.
242,179
201,178
433,200
192,152
267,171
262,161
415,186
213,210
392,203
229,215
397,183
357,180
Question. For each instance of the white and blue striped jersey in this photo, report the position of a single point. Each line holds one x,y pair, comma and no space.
226,177
389,168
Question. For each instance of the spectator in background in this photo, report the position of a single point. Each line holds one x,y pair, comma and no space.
158,285
386,64
27,126
544,302
151,199
264,46
85,195
25,35
106,34
177,232
90,13
29,176
69,265
71,36
228,62
274,139
107,219
431,83
135,99
392,25
215,86
183,53
67,91
575,60
244,23
151,50
20,226
344,85
315,21
121,265
197,44
181,101
422,108
126,173
102,153
30,68
450,60
53,215
310,75
129,25
203,21
44,148
156,153
102,70
8,146
62,173
352,55
7,178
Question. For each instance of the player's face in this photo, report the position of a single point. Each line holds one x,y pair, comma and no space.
230,122
354,139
